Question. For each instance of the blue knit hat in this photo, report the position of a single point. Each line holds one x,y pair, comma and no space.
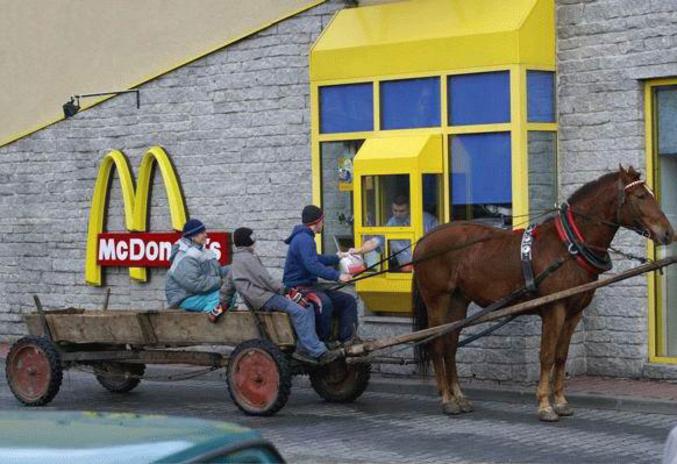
193,227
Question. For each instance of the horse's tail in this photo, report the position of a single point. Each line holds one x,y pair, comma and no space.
420,321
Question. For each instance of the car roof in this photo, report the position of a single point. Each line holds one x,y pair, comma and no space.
79,436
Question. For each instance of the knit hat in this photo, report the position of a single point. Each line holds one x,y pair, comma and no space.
193,227
311,215
243,237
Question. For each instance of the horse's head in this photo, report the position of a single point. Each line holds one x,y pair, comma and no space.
638,209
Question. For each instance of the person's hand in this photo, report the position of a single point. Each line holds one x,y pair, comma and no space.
342,254
355,251
345,278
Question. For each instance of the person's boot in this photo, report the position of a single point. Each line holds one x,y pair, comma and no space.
304,357
330,356
215,313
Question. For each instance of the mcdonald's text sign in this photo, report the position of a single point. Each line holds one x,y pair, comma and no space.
137,249
150,249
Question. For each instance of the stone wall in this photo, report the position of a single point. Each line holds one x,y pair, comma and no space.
604,50
236,125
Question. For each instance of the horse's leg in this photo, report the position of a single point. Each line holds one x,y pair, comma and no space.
458,307
553,319
437,312
561,405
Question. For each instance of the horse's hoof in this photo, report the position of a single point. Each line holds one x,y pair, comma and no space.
465,404
451,408
563,409
548,415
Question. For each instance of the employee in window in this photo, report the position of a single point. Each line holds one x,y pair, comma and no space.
401,217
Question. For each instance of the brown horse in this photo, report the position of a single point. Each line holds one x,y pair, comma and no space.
449,275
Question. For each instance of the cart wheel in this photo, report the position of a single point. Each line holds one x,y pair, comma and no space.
258,377
119,377
33,370
339,382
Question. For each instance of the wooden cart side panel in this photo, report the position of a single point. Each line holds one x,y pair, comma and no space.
161,327
179,327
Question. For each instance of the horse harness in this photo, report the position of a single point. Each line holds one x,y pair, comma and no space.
568,232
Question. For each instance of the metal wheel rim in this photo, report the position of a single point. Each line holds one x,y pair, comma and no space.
29,372
256,379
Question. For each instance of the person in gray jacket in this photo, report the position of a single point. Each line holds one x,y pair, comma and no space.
260,291
195,277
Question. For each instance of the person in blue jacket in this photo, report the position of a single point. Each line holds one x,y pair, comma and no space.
303,268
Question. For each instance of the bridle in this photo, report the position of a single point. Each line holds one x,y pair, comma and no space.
622,198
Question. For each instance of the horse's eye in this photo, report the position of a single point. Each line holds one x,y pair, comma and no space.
641,196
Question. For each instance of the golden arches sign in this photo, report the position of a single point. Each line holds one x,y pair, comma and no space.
135,201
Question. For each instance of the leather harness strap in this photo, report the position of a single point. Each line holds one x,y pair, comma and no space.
573,239
525,258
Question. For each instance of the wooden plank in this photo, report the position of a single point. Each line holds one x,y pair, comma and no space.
361,349
179,328
197,358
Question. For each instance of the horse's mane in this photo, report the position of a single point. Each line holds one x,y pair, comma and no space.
592,187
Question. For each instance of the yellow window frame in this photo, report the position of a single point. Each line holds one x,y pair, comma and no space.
656,311
518,127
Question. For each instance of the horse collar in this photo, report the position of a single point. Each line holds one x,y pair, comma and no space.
573,240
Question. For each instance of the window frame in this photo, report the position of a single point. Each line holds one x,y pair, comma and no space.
656,327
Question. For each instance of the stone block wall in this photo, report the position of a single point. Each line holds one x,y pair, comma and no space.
236,126
605,48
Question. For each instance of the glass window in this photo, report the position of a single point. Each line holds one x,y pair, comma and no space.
399,253
410,103
346,108
480,179
336,159
385,201
542,151
482,98
432,201
375,256
666,147
540,96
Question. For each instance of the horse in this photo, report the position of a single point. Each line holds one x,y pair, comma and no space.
463,262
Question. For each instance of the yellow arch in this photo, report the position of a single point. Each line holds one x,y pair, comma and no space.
135,203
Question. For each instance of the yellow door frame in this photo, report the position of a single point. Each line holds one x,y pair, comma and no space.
656,314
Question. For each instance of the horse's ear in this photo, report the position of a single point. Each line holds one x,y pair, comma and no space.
633,173
621,169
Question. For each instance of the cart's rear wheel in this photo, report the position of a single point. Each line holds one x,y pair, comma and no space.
340,382
33,370
259,378
119,377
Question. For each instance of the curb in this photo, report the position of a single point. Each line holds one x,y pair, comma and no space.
528,396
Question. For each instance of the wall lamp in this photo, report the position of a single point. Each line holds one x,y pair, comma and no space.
72,106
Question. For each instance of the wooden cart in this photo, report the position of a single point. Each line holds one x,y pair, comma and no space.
117,345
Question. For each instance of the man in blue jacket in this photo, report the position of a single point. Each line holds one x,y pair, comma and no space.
304,266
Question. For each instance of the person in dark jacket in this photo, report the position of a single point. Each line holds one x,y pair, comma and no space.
304,266
260,291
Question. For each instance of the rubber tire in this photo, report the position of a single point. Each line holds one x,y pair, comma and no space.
55,368
284,373
345,390
126,385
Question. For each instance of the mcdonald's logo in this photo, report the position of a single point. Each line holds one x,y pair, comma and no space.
137,249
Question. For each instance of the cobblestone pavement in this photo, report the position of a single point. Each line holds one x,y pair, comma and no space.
385,427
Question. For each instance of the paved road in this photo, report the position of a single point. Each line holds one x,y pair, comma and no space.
386,427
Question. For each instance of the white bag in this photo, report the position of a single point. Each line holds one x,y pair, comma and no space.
351,264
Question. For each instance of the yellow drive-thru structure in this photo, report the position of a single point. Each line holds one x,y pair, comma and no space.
451,117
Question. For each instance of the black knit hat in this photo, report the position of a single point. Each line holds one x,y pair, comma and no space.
311,215
243,237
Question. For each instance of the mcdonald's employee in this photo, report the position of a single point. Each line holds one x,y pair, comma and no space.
195,277
304,266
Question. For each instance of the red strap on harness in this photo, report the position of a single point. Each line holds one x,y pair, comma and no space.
580,260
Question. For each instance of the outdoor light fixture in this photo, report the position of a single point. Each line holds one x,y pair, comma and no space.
72,106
